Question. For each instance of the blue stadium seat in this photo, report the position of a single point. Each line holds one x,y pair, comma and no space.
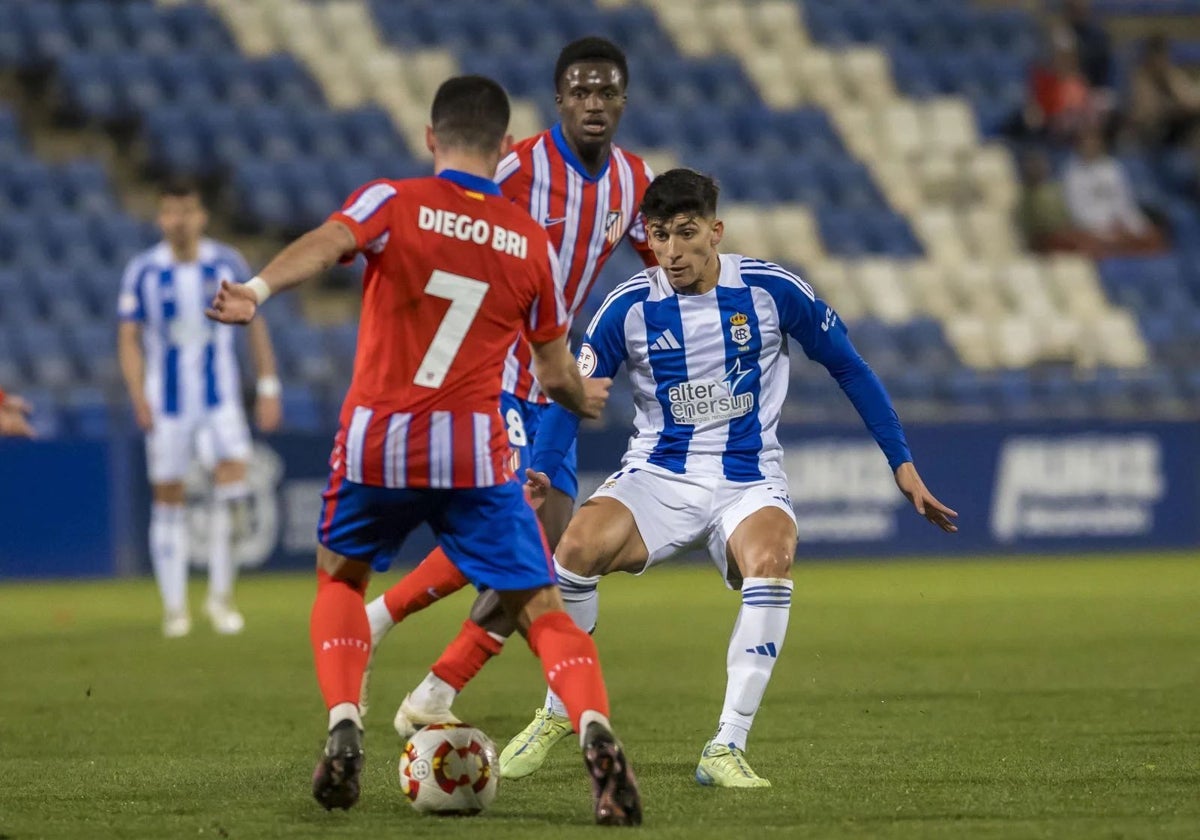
226,137
371,132
14,45
46,419
84,186
94,346
194,27
302,411
286,82
47,32
341,341
117,238
146,28
86,413
93,25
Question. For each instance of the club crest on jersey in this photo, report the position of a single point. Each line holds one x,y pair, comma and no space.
587,361
739,329
612,226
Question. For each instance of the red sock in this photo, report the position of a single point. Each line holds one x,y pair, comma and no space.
570,663
462,659
435,577
341,639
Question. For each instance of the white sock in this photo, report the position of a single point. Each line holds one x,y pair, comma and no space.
232,491
221,566
589,717
344,711
433,693
168,554
380,619
582,603
753,648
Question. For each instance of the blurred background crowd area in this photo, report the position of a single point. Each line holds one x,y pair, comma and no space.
1001,199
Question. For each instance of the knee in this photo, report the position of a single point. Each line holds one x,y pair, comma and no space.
340,568
576,552
169,493
767,562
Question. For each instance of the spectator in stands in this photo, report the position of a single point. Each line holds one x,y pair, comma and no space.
1164,101
1060,101
1091,43
1101,201
1041,213
14,416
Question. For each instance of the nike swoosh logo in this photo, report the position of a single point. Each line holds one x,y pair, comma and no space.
547,222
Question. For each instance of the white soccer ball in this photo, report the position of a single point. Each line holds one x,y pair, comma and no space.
449,768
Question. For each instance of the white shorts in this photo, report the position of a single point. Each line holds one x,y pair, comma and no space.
676,513
214,436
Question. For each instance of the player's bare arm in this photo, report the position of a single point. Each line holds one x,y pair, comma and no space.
925,503
314,252
556,370
133,371
268,409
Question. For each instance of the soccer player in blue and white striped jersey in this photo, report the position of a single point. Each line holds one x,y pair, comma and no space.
181,373
704,339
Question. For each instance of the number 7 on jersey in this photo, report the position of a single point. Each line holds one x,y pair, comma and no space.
466,296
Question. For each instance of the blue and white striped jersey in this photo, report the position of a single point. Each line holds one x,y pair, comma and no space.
710,372
190,361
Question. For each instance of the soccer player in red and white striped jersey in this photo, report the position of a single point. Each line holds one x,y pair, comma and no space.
585,191
454,274
586,212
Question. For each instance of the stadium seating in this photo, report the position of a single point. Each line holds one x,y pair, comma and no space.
853,140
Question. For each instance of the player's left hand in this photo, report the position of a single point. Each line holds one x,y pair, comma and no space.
926,504
234,304
268,413
537,486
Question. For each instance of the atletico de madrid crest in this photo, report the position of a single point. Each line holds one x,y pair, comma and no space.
739,329
613,227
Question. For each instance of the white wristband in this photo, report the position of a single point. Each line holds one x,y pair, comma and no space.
260,288
269,386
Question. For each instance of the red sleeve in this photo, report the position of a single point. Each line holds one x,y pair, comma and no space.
637,231
1,396
546,319
515,181
367,212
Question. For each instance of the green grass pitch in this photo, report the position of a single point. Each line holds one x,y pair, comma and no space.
1032,698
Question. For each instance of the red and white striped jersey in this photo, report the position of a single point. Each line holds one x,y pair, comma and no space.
586,218
455,273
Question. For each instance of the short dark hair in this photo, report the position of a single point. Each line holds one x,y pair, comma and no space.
470,112
179,186
680,192
591,48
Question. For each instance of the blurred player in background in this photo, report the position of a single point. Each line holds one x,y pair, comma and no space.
584,191
455,272
14,416
181,373
704,339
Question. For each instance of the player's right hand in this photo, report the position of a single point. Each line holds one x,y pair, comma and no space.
595,395
142,415
234,304
537,485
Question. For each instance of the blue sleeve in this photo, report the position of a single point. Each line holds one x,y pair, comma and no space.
601,354
819,330
131,302
555,435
